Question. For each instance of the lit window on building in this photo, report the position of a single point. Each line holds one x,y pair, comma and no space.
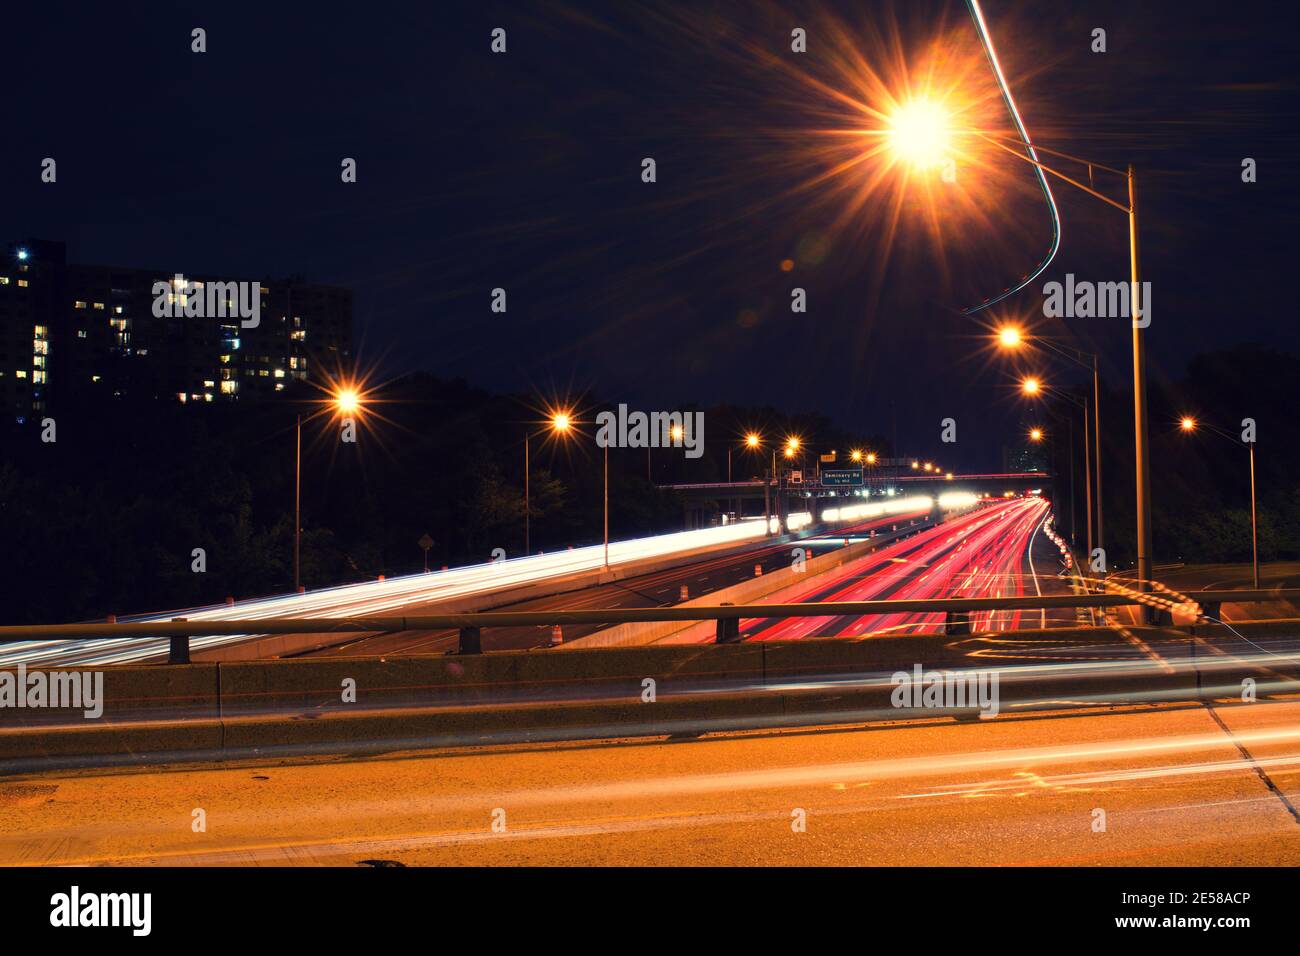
298,335
81,333
100,306
229,387
22,283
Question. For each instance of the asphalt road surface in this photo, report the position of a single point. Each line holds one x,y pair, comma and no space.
658,589
1188,785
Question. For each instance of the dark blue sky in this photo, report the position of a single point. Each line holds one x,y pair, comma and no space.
522,171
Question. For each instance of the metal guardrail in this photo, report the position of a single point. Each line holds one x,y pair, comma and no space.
728,617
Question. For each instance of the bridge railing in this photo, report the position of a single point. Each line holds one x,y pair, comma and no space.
727,617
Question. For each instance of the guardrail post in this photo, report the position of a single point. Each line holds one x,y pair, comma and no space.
179,650
728,628
958,623
471,641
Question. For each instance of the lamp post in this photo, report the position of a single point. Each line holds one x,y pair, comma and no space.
919,130
559,424
1033,387
1190,424
345,402
1011,338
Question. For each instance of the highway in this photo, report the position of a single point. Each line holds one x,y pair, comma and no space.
1186,785
991,552
657,589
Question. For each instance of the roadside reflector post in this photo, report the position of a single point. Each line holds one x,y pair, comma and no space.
728,628
758,570
179,649
470,641
958,623
684,594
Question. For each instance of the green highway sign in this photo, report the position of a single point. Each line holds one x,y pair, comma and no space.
853,477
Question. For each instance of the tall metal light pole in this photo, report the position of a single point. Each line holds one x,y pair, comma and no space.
559,423
1140,319
1189,424
528,509
1011,338
297,507
606,507
1038,388
346,401
1141,446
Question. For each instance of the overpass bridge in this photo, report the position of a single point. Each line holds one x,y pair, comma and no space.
791,492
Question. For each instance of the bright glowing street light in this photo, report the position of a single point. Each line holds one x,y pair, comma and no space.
1035,434
856,454
919,133
560,422
753,440
1010,337
347,401
1031,386
1190,424
871,458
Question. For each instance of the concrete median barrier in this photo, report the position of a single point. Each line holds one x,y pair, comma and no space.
300,706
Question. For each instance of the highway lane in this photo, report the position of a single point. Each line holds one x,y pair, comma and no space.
390,596
413,594
1188,785
986,553
658,589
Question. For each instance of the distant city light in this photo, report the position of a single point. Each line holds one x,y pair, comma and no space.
23,255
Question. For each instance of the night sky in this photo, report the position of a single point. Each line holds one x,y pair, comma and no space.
522,171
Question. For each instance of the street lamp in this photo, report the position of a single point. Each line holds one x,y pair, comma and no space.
918,132
344,402
1011,338
1140,320
1034,387
1190,424
560,423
